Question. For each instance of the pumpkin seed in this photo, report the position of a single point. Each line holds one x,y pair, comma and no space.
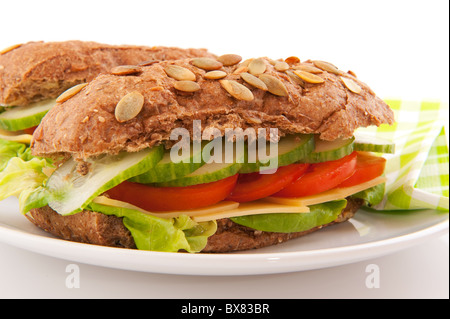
187,86
308,68
147,63
281,66
257,66
10,48
126,70
240,69
309,77
179,73
215,75
274,85
237,90
326,66
229,59
352,73
206,63
292,60
254,120
254,81
246,62
70,92
294,77
129,106
351,85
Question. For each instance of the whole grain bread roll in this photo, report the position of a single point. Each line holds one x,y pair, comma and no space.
129,112
99,229
41,70
322,100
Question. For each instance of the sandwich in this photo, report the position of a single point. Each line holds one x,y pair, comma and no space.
205,154
34,74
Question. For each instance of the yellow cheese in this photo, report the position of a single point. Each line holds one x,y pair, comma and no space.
219,207
252,208
15,136
224,209
333,194
269,205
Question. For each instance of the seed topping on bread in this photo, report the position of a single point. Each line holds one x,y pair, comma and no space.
126,70
70,92
129,106
308,97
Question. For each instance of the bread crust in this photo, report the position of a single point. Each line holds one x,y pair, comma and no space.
99,229
85,124
41,70
85,227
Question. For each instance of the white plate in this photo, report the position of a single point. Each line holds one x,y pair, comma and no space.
367,235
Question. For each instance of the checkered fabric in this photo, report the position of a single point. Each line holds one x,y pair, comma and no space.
418,173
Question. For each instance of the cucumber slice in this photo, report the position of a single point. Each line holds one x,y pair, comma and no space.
71,192
373,144
22,117
210,172
330,150
167,170
291,149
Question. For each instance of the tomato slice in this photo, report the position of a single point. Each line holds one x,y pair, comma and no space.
368,167
30,130
254,186
321,177
173,198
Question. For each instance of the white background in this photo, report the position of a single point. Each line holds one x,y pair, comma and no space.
400,48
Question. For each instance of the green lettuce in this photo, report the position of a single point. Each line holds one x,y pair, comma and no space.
371,196
24,176
25,180
160,234
11,149
318,215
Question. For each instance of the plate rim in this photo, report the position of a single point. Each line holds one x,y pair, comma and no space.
265,263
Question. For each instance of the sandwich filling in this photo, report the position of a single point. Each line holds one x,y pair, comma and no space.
112,151
172,206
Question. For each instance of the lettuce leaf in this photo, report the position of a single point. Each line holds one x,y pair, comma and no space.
23,176
319,214
159,234
11,149
25,180
371,196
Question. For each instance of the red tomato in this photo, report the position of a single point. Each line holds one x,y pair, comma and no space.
30,130
173,198
321,177
368,167
254,186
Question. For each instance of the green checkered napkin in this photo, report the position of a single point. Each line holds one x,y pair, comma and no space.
418,173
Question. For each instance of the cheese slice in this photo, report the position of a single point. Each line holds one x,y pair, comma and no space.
224,209
252,208
18,136
333,194
213,209
269,205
